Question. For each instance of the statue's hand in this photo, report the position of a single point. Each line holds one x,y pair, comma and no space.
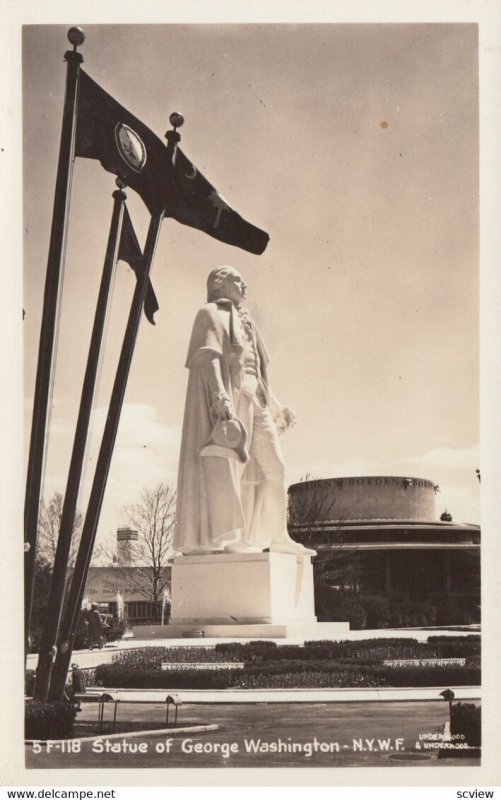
222,407
286,419
228,412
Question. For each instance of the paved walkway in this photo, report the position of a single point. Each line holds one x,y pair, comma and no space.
387,694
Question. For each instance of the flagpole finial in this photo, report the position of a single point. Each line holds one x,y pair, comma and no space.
173,137
119,193
76,37
176,119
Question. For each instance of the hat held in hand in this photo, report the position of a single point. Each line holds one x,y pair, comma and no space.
227,440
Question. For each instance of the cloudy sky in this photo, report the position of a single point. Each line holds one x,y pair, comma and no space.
355,146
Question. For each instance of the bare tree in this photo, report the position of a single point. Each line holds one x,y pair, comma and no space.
312,521
153,517
49,521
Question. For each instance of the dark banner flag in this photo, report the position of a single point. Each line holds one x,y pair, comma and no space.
130,251
199,204
164,178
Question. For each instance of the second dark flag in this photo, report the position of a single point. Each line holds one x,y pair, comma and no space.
130,251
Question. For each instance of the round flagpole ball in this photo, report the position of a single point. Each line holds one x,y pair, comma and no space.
176,119
76,36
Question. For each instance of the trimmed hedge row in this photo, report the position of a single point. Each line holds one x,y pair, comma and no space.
309,679
30,675
367,651
29,682
153,657
435,647
452,647
466,720
49,720
360,675
285,674
123,677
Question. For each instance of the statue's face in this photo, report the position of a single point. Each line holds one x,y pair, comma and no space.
234,287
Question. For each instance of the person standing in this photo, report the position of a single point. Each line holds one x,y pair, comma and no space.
94,620
77,680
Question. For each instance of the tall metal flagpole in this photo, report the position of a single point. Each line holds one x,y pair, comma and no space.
103,465
60,569
55,262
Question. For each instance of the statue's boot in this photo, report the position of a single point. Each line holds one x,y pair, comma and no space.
289,546
241,547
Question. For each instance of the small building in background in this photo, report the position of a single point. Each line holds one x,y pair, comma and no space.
127,587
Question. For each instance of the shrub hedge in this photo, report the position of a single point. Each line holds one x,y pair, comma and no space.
144,657
316,664
372,649
49,720
435,647
30,675
452,646
119,676
307,679
466,720
286,674
348,674
368,651
29,682
153,657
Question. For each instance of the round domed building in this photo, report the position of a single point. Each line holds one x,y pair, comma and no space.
383,552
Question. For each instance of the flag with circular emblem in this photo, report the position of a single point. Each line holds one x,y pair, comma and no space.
163,176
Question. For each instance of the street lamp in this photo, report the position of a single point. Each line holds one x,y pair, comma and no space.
448,694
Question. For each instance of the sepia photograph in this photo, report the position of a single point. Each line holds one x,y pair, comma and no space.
251,420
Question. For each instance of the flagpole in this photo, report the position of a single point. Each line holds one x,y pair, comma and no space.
57,248
60,568
103,465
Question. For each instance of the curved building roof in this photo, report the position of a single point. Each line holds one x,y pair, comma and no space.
374,512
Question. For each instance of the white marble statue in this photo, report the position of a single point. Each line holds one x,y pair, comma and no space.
231,491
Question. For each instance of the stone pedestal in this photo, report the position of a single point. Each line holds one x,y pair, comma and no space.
244,596
242,589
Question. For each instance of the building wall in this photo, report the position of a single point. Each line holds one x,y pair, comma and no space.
104,583
398,588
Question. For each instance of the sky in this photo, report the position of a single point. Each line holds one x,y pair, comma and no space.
355,146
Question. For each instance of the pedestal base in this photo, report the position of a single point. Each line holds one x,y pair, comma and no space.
197,634
236,589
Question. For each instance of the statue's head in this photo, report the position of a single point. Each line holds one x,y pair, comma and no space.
226,282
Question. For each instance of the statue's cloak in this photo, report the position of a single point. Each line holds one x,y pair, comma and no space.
209,511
